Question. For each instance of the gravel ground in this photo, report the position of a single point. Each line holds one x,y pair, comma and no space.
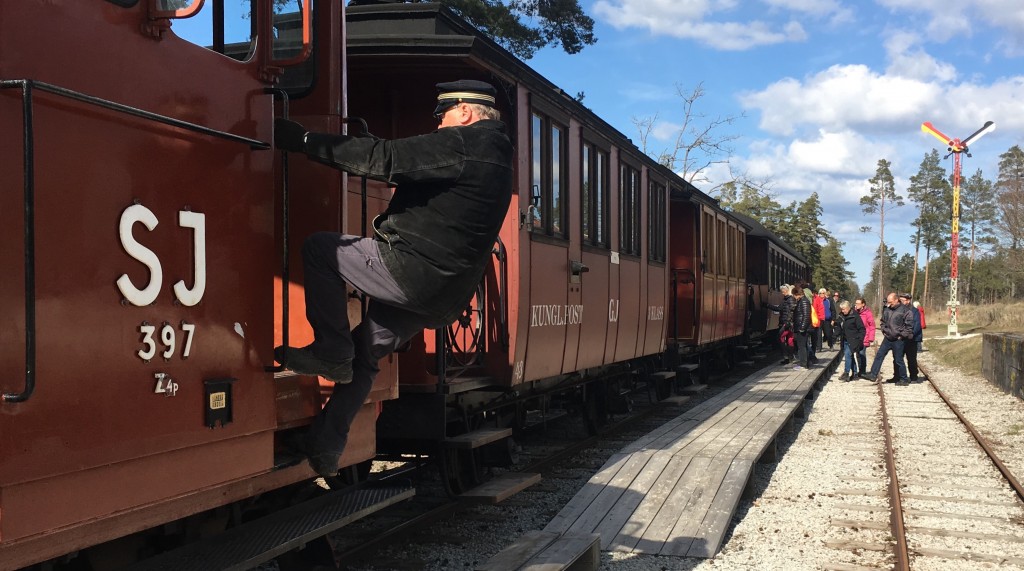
822,505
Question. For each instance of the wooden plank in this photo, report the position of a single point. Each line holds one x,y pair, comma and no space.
682,535
517,554
477,438
938,532
605,501
709,534
582,500
948,515
847,545
573,551
971,556
502,487
666,489
624,510
856,524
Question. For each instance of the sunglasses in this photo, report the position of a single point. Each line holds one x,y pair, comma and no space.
439,116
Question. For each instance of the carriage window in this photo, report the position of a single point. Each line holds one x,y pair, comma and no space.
629,210
708,234
228,27
656,222
594,189
548,176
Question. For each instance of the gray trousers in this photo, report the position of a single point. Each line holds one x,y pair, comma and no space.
330,260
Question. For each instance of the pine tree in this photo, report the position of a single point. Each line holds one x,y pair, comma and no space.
521,26
881,198
1010,186
831,271
978,218
930,190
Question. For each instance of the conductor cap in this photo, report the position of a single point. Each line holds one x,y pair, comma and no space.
452,93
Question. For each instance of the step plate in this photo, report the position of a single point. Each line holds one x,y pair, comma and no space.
261,540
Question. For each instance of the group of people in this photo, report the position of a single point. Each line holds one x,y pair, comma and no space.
807,321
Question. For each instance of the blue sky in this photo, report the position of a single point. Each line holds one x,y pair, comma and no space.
826,89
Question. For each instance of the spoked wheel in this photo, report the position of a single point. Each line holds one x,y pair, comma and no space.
466,335
461,470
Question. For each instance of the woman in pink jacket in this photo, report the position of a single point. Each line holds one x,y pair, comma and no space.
869,331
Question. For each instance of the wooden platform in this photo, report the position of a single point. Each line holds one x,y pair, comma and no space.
674,491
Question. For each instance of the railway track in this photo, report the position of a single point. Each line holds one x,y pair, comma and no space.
940,497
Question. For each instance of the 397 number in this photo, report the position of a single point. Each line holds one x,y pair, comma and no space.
166,341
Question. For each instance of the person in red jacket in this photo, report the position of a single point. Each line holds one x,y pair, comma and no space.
869,330
818,303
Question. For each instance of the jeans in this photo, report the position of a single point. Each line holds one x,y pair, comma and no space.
897,353
853,360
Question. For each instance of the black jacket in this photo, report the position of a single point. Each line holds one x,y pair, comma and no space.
853,329
802,315
454,187
898,323
785,309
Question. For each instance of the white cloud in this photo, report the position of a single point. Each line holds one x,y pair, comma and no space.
907,59
692,20
840,97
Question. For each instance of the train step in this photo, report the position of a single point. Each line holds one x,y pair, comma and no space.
539,418
477,438
549,550
502,487
693,389
263,539
676,400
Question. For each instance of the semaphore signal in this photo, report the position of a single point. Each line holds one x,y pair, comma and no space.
956,147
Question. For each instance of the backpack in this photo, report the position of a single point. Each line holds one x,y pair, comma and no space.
786,337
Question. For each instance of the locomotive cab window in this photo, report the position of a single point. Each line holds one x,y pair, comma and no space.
548,176
629,210
230,27
594,196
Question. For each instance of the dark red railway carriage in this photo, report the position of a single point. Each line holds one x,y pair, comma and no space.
606,257
771,262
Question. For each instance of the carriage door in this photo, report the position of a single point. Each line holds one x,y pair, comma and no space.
553,309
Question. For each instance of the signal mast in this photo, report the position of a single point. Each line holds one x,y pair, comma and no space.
955,148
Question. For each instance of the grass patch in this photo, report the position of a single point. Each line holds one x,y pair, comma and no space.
965,353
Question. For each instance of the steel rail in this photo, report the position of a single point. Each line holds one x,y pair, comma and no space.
896,523
1010,478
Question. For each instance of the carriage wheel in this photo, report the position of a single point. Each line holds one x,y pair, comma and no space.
466,335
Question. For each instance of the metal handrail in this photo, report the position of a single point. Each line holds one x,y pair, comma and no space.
27,87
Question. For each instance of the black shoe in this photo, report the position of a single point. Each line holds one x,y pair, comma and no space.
866,377
903,382
304,362
325,464
891,380
844,377
784,362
